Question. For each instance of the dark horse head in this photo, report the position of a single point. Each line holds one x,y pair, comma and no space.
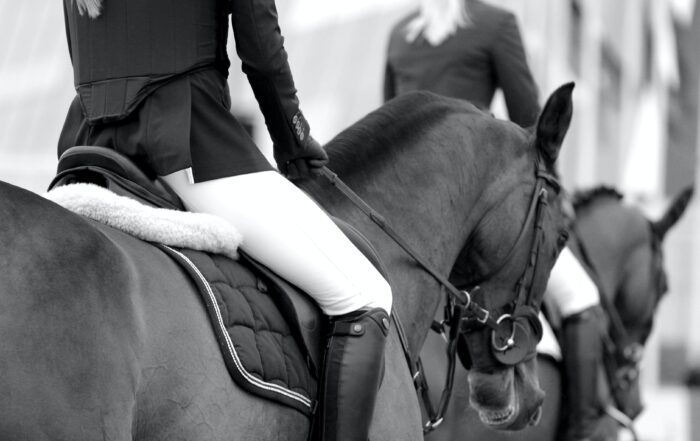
624,248
511,275
501,209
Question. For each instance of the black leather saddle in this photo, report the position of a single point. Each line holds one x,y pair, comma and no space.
110,169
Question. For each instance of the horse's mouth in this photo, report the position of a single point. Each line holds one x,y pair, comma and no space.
505,400
501,405
501,418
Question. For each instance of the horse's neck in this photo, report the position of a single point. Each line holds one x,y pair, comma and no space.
431,213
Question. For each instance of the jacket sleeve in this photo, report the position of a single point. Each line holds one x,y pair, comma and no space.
260,46
513,74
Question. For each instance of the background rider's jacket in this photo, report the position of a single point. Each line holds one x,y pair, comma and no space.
151,82
471,64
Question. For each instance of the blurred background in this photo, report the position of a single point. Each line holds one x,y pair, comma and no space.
636,65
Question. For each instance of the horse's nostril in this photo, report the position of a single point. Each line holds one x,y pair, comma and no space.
536,417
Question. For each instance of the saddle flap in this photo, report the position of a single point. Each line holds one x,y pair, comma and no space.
363,244
302,313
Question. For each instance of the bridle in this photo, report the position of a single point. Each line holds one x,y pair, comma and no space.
509,336
509,340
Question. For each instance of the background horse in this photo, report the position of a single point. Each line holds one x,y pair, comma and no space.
626,251
105,337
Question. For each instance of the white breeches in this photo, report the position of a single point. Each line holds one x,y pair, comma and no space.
284,229
569,286
548,344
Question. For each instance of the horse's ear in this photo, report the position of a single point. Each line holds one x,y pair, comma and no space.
554,121
673,213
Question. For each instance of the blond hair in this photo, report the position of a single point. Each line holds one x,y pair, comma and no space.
92,7
437,20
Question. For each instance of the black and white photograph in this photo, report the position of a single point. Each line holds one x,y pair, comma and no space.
374,220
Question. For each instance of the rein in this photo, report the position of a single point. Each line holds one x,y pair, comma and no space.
462,309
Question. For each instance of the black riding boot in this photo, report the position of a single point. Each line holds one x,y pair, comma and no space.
352,372
582,352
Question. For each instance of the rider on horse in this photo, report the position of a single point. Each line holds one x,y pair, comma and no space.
151,83
466,49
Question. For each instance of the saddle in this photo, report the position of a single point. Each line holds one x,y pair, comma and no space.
245,300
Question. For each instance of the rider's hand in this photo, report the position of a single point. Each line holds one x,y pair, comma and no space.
307,164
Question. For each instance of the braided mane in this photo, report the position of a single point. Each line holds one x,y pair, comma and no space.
583,198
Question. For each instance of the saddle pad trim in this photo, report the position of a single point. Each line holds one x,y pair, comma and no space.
233,362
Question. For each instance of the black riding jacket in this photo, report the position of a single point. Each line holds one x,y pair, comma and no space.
151,77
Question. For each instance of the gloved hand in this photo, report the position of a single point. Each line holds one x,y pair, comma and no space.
306,164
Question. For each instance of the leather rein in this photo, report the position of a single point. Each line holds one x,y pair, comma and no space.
463,313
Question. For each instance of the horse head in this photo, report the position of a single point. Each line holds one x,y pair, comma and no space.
509,256
470,191
627,256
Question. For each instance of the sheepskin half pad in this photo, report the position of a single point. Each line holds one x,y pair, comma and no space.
197,231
